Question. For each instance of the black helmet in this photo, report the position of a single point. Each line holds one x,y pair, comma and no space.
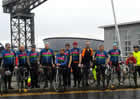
136,46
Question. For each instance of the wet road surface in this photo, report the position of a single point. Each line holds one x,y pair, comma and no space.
91,94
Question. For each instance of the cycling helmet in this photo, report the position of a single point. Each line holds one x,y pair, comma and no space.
136,46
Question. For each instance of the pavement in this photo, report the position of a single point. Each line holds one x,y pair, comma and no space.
89,94
92,92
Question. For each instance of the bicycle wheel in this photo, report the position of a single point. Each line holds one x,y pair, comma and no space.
57,80
91,80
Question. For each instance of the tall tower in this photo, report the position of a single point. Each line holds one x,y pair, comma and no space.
21,21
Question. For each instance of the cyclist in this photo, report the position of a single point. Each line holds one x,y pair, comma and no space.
67,53
136,54
75,63
23,63
33,60
8,57
131,63
87,58
61,62
114,60
47,59
101,58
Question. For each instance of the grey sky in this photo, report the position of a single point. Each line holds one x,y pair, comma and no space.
75,18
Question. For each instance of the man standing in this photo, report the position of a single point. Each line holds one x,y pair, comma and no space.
23,63
136,54
75,63
87,58
67,53
47,61
8,57
33,58
101,58
114,60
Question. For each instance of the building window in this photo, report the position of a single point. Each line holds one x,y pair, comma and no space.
138,42
127,43
127,49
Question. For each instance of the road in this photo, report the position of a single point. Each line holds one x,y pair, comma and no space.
90,94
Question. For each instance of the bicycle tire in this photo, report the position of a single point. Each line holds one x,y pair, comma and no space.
57,81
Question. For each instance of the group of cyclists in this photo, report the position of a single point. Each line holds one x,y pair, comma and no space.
68,60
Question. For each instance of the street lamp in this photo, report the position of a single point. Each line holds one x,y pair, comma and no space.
116,26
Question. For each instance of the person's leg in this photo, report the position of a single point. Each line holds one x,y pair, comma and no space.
117,68
78,75
87,68
74,74
69,77
36,77
103,75
135,76
46,77
11,68
5,82
32,76
138,70
51,76
64,77
98,75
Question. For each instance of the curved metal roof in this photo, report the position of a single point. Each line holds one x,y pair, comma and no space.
72,38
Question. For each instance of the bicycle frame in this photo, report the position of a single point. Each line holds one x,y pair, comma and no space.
21,78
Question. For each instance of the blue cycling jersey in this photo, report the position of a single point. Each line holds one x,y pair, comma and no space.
101,57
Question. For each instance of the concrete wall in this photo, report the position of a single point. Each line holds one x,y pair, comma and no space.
127,32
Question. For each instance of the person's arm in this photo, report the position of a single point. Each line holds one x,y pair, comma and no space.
65,61
80,57
127,61
135,61
56,60
70,61
40,54
53,57
16,62
107,58
91,56
2,56
28,59
109,53
95,56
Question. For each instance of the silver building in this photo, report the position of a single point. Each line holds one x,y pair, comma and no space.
59,42
129,35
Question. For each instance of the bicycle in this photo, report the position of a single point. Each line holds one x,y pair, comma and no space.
21,76
101,74
91,77
58,79
131,72
45,75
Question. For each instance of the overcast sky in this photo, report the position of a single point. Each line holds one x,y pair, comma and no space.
79,18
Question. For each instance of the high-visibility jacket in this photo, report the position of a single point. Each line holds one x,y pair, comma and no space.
137,56
87,55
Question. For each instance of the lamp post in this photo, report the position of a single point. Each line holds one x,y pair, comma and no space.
116,26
